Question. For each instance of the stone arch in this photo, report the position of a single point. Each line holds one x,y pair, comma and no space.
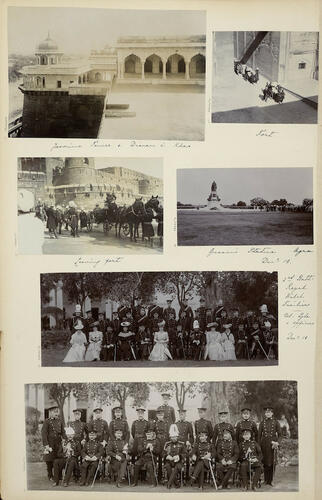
132,65
198,65
153,64
176,64
38,81
98,77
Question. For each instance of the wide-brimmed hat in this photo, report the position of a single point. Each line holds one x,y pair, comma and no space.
125,323
227,325
79,325
196,324
263,308
78,308
268,324
213,323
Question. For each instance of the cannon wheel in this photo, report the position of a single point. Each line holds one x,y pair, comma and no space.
125,230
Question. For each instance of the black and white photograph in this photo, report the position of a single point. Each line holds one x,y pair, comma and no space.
138,319
244,206
155,437
77,206
265,77
106,74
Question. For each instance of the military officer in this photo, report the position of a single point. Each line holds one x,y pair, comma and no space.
116,322
88,325
143,340
168,411
256,341
79,427
168,310
227,454
52,433
92,452
202,454
137,308
119,422
161,429
67,457
140,426
99,425
123,309
218,310
147,452
102,322
250,457
203,425
265,315
201,315
246,423
185,429
173,454
222,426
269,433
108,345
197,341
185,316
117,450
171,328
241,342
153,308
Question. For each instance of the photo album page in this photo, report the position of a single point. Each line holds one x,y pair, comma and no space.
160,221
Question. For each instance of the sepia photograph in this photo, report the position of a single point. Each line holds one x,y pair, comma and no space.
185,436
84,206
265,77
244,206
106,74
136,319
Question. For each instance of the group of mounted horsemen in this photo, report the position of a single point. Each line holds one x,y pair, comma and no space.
125,219
272,90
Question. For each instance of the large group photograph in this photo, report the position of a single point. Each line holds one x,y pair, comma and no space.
136,319
90,206
106,73
245,206
160,437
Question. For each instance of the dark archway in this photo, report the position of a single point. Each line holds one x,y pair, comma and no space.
153,64
132,64
198,65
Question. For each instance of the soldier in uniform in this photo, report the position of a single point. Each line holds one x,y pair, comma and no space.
256,341
52,433
117,451
92,452
217,310
99,425
202,454
235,321
123,309
79,427
185,320
265,315
222,426
173,454
153,308
203,425
269,433
250,457
136,310
185,435
246,423
227,454
201,315
141,318
168,411
118,422
115,322
129,318
171,328
108,345
67,457
140,426
197,341
102,322
161,429
143,341
241,342
154,321
77,315
147,451
168,310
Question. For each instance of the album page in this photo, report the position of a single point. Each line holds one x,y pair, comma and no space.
160,225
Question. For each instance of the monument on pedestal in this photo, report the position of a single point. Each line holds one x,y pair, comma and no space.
213,199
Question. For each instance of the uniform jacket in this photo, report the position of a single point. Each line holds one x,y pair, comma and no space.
219,431
269,430
101,427
169,413
203,425
246,424
122,310
201,316
153,309
92,448
174,448
167,311
228,450
120,424
117,447
255,450
161,428
139,428
69,449
201,449
139,448
79,428
52,432
185,431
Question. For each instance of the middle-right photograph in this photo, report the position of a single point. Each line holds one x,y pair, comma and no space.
244,206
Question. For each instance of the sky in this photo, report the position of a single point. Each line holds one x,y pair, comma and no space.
78,30
148,166
242,184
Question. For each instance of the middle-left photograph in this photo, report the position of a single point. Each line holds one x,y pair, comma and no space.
97,206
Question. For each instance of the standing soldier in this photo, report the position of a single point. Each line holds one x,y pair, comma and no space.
92,452
246,423
154,321
227,454
136,308
217,310
117,450
88,325
140,426
203,425
185,435
102,322
222,426
269,433
201,315
147,452
99,425
153,308
173,454
119,422
186,315
168,310
168,411
235,321
161,429
203,453
141,319
79,427
123,309
143,341
250,457
52,433
115,323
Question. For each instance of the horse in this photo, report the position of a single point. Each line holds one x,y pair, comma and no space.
136,214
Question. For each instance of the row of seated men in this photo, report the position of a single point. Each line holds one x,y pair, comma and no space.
255,336
164,452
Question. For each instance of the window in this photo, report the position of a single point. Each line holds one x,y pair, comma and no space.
302,65
59,84
43,82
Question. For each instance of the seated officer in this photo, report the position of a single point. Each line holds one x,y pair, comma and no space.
67,457
227,454
202,454
222,426
173,454
117,450
147,452
91,453
250,458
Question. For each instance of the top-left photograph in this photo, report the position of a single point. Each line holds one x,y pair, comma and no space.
106,74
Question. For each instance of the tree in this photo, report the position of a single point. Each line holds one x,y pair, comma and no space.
60,392
184,284
241,204
307,202
258,201
182,390
120,393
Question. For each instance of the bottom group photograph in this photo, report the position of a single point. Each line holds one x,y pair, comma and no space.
161,436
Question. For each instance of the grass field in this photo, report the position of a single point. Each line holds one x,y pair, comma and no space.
262,228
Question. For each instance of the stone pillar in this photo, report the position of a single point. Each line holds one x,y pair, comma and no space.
187,74
155,66
164,68
174,65
142,69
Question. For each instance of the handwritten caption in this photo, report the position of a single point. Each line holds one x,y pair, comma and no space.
97,262
98,144
267,255
297,305
264,132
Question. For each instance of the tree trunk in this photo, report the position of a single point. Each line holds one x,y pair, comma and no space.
211,292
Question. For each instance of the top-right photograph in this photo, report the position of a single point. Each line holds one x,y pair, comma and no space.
265,77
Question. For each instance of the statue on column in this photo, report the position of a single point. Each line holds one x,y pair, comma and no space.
213,199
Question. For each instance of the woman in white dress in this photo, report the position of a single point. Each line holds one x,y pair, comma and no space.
78,341
213,349
160,351
95,344
228,342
